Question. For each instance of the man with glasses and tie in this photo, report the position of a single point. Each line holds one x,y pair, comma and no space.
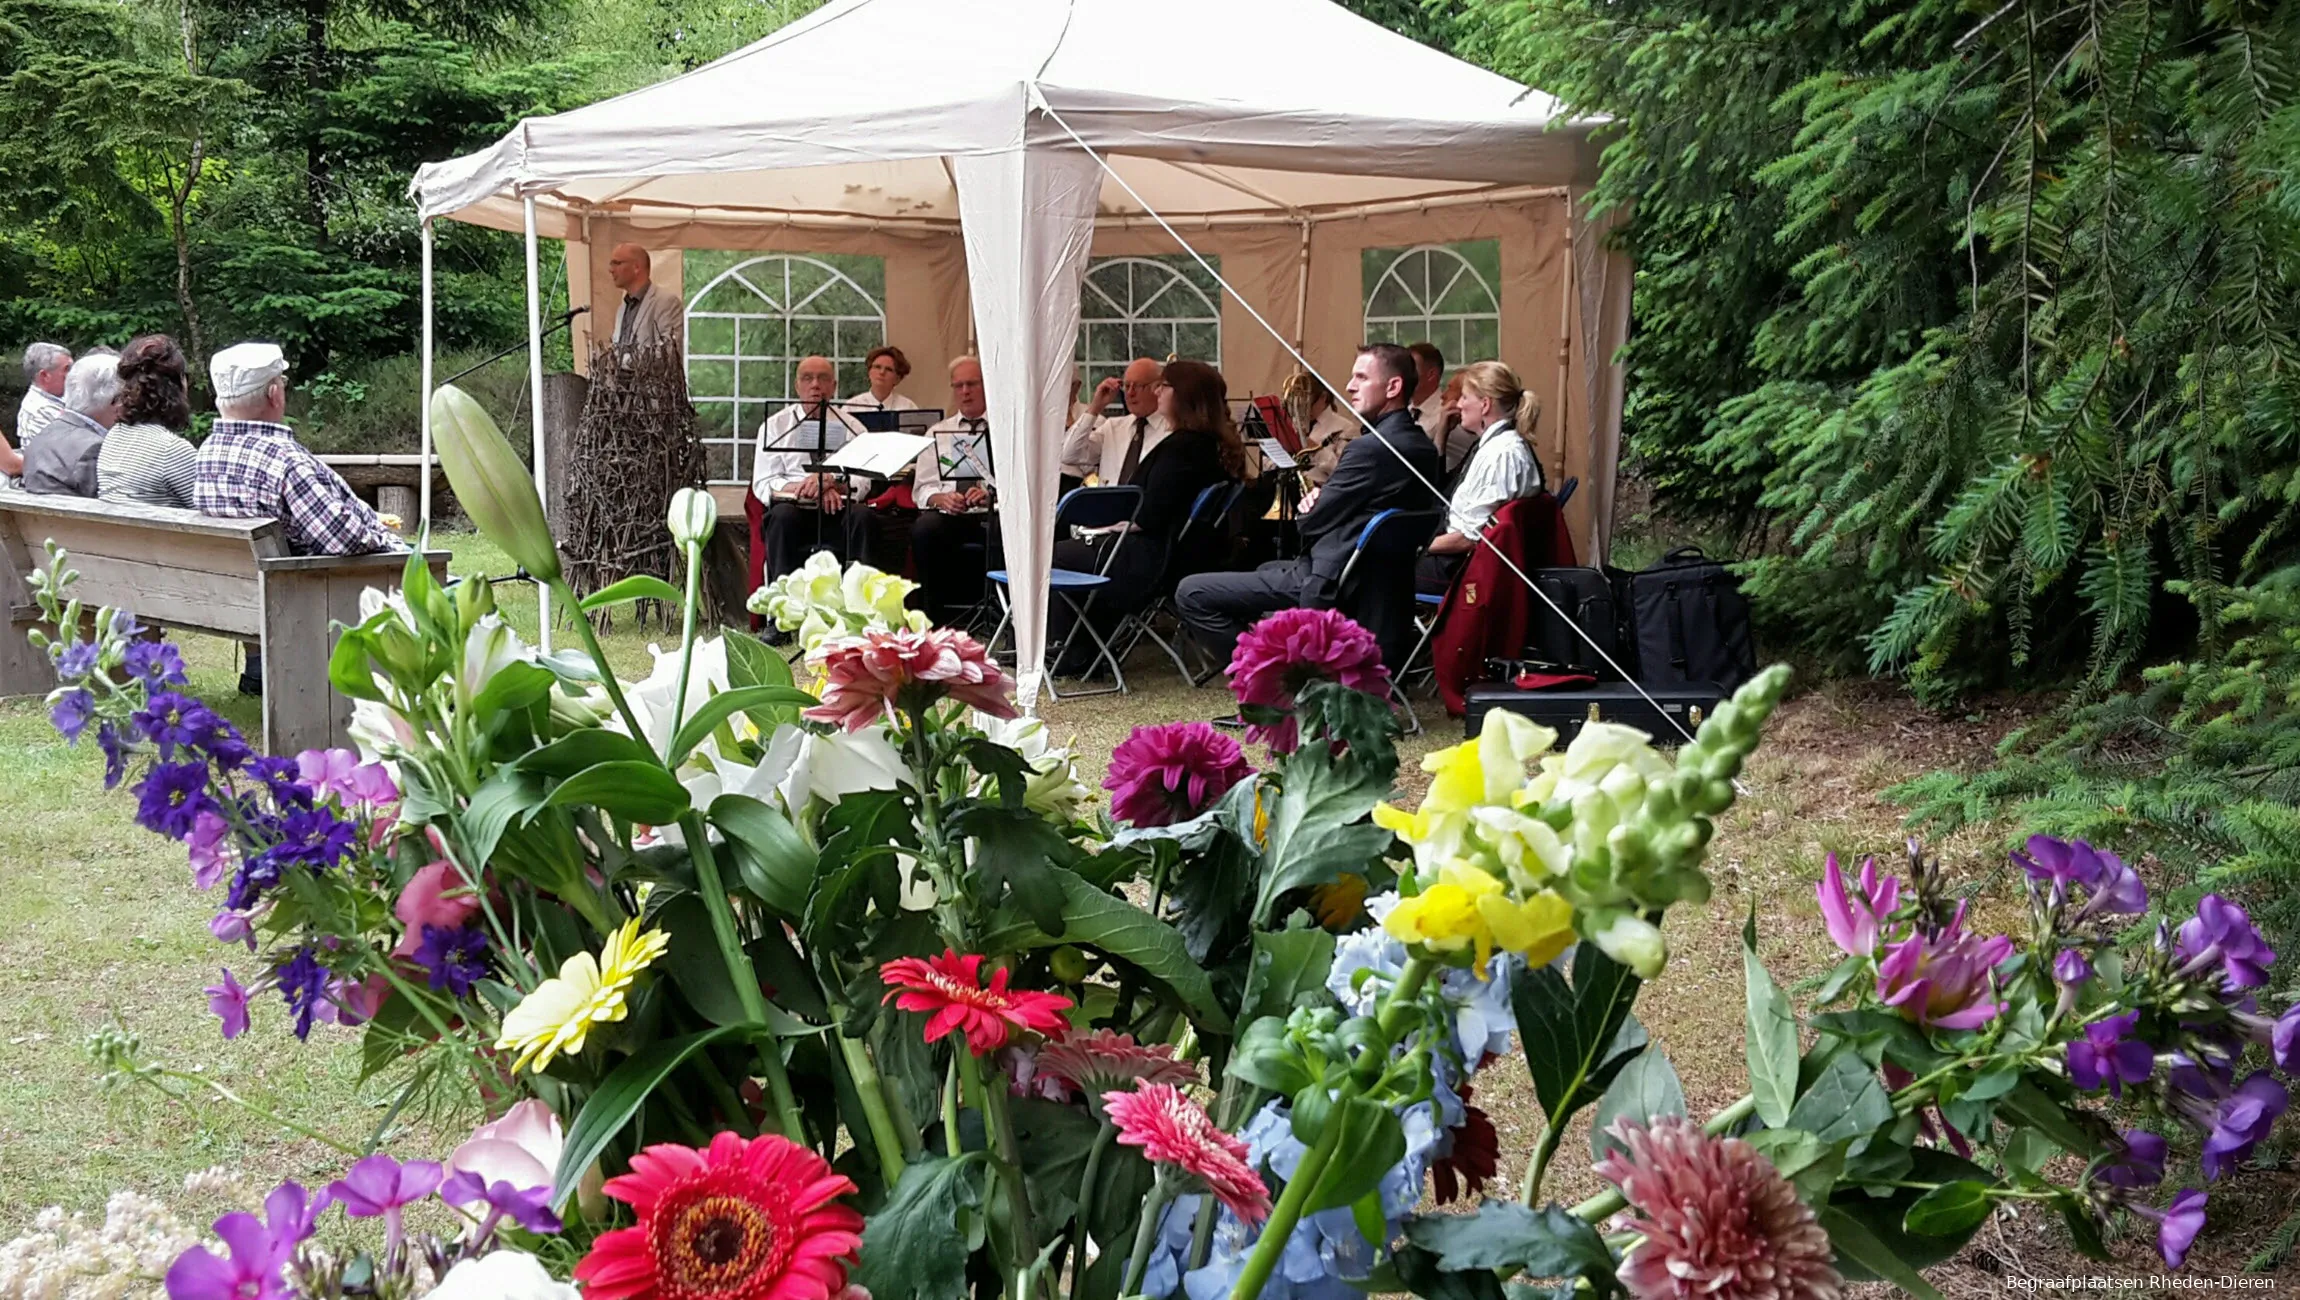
955,537
1112,447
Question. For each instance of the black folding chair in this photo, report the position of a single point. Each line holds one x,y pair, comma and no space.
1378,579
1207,513
1086,507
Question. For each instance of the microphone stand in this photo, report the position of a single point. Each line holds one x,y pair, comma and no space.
521,346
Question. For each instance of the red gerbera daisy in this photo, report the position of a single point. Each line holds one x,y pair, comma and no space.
1171,1129
745,1219
950,986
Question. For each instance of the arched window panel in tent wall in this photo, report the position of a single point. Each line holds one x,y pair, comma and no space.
1158,305
1441,292
749,324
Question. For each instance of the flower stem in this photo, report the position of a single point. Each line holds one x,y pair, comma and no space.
686,635
1272,1243
301,1130
599,660
997,1127
713,888
1146,1235
883,1133
951,1146
1102,1143
1402,994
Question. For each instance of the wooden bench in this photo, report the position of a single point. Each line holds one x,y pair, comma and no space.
182,569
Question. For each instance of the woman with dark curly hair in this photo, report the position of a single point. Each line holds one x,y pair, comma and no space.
145,457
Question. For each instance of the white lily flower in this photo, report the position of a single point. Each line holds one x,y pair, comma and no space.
489,648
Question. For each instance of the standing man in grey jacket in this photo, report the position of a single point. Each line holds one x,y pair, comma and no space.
646,314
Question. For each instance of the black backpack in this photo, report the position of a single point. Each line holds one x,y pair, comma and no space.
1581,608
1687,622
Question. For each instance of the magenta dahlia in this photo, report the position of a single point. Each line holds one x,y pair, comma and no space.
1720,1223
1287,651
1170,773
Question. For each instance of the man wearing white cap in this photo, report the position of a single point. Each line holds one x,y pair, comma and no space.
252,467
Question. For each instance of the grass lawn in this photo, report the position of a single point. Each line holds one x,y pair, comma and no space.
103,928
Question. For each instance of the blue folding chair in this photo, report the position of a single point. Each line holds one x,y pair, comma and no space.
1086,507
1206,514
1380,571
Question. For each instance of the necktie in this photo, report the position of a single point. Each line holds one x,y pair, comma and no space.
1133,459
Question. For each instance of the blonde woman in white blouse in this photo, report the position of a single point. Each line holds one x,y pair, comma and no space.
1502,469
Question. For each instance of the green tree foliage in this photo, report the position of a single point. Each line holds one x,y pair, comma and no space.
1983,314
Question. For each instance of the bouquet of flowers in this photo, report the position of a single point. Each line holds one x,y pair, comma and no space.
811,975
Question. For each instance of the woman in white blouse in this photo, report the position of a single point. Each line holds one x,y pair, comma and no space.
1502,469
887,367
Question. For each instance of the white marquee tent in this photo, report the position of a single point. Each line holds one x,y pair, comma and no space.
987,148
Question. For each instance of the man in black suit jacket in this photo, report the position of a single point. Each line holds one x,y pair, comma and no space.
1368,480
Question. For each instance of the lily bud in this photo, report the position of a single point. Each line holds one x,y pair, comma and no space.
474,600
1634,942
495,489
694,513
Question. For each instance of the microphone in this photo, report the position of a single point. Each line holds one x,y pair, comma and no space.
572,312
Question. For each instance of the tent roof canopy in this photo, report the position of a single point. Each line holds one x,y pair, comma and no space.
1210,109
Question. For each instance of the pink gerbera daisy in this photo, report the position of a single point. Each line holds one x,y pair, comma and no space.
1720,1223
950,988
1098,1062
746,1219
878,674
1173,1130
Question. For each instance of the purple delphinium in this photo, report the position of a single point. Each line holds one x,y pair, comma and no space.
2071,968
2110,887
2284,1040
171,797
281,777
454,957
115,754
2139,1160
172,722
1856,921
209,843
76,660
313,838
2105,1055
230,1003
72,712
2222,935
2244,1118
124,625
157,663
529,1207
2176,1225
303,984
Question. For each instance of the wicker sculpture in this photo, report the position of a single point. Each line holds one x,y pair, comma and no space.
635,446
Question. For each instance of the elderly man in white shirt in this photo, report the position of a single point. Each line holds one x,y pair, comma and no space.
1111,447
955,537
45,365
807,512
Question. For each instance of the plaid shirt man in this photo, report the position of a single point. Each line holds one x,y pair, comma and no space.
252,470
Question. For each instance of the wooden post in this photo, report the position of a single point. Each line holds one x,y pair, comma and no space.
400,500
303,597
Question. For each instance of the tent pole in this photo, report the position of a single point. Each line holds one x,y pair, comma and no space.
1302,289
1565,337
535,408
423,490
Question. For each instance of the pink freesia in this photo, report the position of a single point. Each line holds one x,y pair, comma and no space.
1942,980
1719,1221
521,1149
1170,773
1173,1130
435,895
354,1002
327,771
210,845
1287,651
878,674
371,784
1857,922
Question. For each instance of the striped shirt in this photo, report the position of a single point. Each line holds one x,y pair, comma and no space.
147,464
33,415
252,470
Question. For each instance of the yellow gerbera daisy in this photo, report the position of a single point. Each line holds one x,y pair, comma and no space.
554,1019
1468,909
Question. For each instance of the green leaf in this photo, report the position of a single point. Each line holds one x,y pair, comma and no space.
1415,1271
617,1099
1287,966
1992,1084
510,794
1846,1101
723,706
1372,1142
1772,1029
915,1247
773,859
694,964
2083,1228
634,791
1015,851
1054,1142
1883,1215
1810,1165
749,663
2027,1150
1856,1244
2047,1116
1096,919
514,686
348,667
639,586
1948,1209
1646,1089
1579,1036
589,747
1319,830
397,1028
1549,1242
1267,1058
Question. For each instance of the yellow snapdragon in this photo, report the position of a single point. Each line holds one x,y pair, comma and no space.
1468,909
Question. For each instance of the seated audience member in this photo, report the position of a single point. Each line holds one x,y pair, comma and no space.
955,537
1326,428
1369,479
807,510
145,458
1202,448
1502,469
45,365
62,460
887,367
1110,447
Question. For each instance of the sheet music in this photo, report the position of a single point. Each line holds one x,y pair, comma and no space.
1277,453
880,455
832,428
962,456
